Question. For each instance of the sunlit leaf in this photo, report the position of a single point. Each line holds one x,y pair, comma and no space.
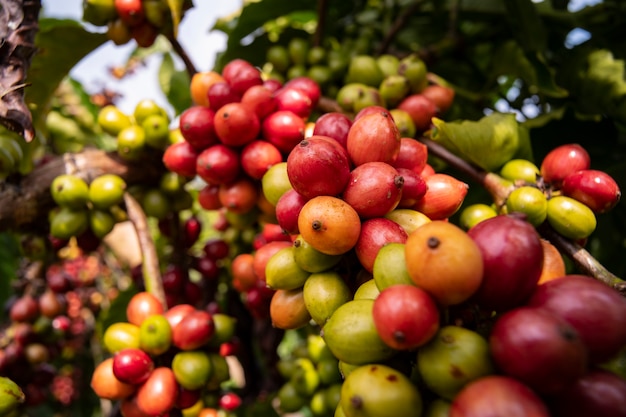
175,84
254,15
598,81
488,142
61,44
509,59
176,9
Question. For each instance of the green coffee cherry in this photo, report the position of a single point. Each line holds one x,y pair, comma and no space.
298,50
570,217
520,169
11,396
69,191
112,120
278,56
101,222
131,142
67,223
474,214
106,191
530,201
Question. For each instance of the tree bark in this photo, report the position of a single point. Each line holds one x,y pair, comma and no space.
19,23
26,205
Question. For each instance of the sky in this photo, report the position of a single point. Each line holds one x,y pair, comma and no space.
195,36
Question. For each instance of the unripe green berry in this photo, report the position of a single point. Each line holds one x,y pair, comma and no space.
570,217
530,201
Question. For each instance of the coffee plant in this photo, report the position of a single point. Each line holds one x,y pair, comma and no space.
363,209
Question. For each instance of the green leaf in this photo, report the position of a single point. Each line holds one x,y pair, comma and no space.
175,84
509,59
544,77
250,22
176,9
61,44
545,118
254,15
488,142
84,97
526,25
524,149
9,259
85,114
597,81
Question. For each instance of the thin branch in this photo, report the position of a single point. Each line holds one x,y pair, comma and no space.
583,259
493,183
19,23
182,53
328,105
150,260
26,204
398,24
322,11
454,18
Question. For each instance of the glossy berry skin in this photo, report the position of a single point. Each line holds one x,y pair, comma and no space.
181,158
570,217
598,393
197,127
513,260
596,189
335,125
405,316
216,248
132,366
236,124
562,161
230,401
538,348
595,310
497,395
130,12
194,330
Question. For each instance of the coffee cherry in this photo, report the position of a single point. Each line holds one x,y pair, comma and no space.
520,169
570,217
530,201
596,189
70,191
562,161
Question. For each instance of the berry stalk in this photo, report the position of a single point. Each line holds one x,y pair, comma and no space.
497,186
150,259
583,259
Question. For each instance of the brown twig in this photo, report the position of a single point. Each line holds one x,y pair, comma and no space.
19,23
328,105
26,204
322,10
182,53
454,18
583,259
493,183
150,260
398,24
